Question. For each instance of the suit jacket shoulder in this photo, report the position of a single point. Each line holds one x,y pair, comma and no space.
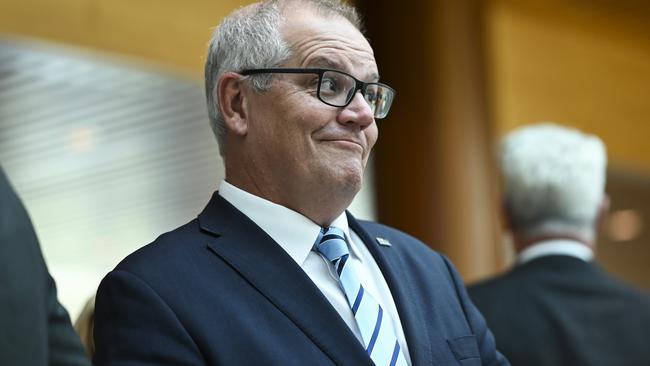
219,290
565,301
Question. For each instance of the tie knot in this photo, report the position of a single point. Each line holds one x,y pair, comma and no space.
333,244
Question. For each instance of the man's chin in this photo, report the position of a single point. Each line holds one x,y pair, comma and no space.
340,175
351,181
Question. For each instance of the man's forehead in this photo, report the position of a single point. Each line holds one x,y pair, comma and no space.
302,17
328,41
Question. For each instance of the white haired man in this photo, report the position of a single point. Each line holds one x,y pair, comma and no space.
274,271
557,307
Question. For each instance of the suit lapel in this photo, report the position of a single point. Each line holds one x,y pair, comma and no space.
264,264
403,289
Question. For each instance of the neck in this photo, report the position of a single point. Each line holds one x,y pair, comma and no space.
523,240
320,207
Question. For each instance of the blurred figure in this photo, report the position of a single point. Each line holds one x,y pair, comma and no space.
34,328
556,306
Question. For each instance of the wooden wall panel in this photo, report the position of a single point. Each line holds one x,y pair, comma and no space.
174,32
433,160
583,63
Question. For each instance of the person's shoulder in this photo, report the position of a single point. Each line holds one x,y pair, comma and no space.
166,249
502,285
491,284
630,293
642,295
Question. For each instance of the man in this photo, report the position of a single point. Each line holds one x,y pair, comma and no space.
34,328
556,306
274,271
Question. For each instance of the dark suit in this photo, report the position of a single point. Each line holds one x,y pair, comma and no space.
559,310
220,291
34,328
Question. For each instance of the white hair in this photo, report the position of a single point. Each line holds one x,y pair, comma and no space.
554,179
251,38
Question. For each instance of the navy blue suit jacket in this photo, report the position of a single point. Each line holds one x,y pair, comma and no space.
220,291
559,310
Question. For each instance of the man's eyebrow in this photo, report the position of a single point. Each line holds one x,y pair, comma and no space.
327,63
373,76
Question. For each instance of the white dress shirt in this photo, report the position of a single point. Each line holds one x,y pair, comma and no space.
296,234
567,247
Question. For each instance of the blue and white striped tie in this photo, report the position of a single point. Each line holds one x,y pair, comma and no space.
376,326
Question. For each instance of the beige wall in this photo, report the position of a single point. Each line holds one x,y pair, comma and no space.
173,33
586,64
433,171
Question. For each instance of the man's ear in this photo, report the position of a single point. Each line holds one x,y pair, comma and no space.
232,103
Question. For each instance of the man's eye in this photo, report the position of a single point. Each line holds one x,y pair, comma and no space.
329,85
371,96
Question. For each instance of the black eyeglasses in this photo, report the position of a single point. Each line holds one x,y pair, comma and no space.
337,88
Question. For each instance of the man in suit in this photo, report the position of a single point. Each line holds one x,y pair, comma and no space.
34,328
556,306
274,271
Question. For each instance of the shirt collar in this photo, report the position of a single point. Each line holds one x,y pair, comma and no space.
556,247
341,222
294,232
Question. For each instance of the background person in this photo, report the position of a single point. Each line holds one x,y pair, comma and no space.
557,306
35,329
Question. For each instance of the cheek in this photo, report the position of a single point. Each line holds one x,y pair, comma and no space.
372,134
293,139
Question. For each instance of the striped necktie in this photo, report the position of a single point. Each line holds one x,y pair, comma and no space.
376,326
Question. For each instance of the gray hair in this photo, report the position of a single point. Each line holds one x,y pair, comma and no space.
250,38
554,179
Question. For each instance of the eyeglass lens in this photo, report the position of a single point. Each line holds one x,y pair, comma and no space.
338,89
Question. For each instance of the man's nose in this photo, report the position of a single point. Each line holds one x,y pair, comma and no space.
358,112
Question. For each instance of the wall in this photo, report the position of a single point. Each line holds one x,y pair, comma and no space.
172,33
584,63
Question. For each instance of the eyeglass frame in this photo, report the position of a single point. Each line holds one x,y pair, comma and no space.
359,85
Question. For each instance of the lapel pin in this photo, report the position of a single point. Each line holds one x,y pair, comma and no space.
383,242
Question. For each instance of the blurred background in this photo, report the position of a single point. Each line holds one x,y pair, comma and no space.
104,133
